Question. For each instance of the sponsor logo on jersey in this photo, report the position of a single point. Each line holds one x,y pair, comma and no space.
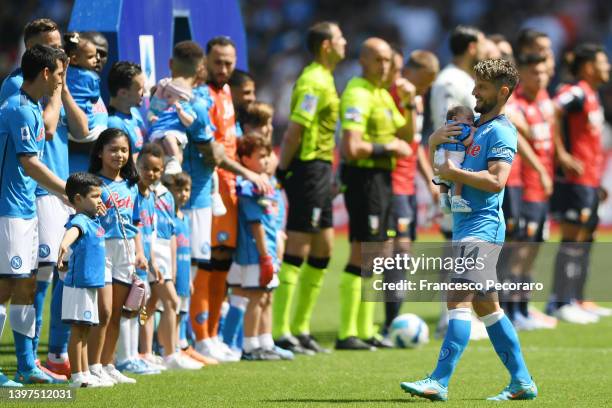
309,104
474,150
353,114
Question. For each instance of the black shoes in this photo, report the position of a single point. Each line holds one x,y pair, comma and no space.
353,343
308,342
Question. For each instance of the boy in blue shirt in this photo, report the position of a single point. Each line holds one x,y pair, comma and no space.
85,236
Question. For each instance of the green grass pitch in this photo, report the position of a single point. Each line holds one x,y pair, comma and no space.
571,366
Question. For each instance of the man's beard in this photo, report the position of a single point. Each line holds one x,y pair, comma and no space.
484,107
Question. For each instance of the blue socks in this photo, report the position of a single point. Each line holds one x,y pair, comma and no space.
39,302
506,344
59,332
455,341
234,320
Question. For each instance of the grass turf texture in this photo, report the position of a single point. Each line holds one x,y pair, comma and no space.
570,365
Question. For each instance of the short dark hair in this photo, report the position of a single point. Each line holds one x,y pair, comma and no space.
152,149
39,57
81,183
318,33
178,180
526,38
221,40
461,37
523,60
583,53
38,26
239,78
458,110
121,76
96,37
499,71
250,142
186,55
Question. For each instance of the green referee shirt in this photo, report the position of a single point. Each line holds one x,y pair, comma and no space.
372,111
314,105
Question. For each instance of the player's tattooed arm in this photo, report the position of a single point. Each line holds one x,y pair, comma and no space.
290,145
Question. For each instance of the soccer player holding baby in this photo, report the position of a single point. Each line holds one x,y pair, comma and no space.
480,234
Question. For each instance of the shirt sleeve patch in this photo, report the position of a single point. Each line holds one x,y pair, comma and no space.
353,114
309,103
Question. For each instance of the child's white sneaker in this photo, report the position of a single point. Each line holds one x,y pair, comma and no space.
173,166
445,203
459,205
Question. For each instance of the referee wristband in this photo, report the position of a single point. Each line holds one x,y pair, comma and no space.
378,150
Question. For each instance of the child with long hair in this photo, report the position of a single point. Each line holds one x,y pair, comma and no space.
111,160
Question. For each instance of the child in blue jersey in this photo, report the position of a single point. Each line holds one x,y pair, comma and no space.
111,159
84,83
253,273
85,237
464,117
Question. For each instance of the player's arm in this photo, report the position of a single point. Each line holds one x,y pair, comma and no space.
70,237
407,92
42,175
442,135
427,172
51,114
355,148
570,100
492,180
76,118
531,158
290,144
185,117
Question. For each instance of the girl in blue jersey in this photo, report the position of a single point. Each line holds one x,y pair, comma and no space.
84,83
111,159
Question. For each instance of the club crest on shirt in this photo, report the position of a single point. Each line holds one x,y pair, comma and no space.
309,103
353,114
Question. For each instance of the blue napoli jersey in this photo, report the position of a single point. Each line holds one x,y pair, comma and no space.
494,140
164,212
255,208
125,197
183,255
146,226
88,258
84,85
466,130
56,152
201,131
11,84
169,119
22,132
131,123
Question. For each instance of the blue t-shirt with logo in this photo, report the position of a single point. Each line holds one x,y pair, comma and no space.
146,207
87,261
11,85
22,132
131,123
201,131
84,86
466,130
255,208
125,199
183,255
494,140
165,213
169,119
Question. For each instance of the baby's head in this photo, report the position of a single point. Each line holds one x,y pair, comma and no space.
81,50
460,114
254,152
178,89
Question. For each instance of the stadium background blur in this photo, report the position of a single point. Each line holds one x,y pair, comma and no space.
275,34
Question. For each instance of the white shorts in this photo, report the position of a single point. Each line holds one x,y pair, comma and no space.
163,257
183,304
52,217
80,305
247,277
181,137
18,247
440,158
201,222
119,261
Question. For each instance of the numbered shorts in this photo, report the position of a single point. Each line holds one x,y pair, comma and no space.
455,156
225,228
53,215
80,306
309,192
120,255
201,222
475,261
405,215
18,247
247,277
163,256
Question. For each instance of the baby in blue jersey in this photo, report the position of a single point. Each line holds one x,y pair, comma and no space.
171,114
84,82
85,236
464,117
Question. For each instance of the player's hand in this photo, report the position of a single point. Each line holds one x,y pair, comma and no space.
141,262
435,192
547,184
443,135
266,270
447,169
398,148
570,165
61,266
405,90
261,181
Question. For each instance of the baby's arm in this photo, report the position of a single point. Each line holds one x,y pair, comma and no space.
468,141
185,118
